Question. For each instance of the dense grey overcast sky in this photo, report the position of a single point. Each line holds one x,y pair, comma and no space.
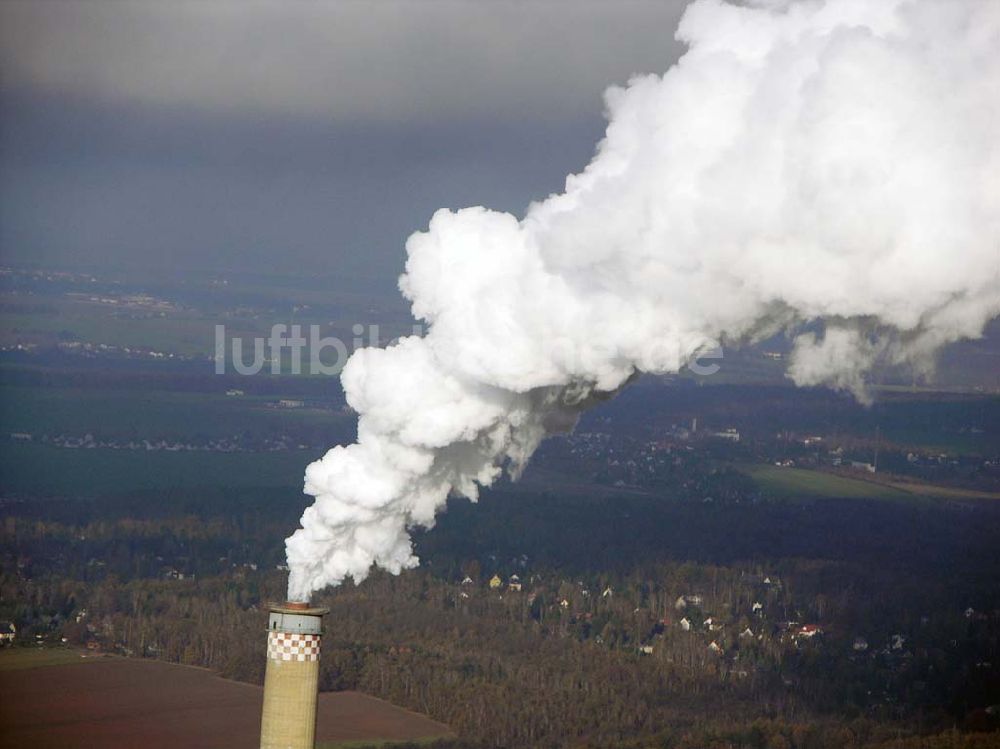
302,135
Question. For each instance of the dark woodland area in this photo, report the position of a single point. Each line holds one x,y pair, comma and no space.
875,639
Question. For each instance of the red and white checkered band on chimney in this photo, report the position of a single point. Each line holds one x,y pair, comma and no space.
283,646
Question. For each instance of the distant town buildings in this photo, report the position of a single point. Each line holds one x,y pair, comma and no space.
731,434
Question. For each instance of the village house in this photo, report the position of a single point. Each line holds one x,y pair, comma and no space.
683,602
685,624
495,582
7,633
808,631
514,584
730,434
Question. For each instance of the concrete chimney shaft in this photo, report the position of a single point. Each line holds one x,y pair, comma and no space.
291,681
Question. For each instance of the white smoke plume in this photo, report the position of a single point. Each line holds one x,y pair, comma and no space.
834,162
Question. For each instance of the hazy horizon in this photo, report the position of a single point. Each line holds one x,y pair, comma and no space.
294,138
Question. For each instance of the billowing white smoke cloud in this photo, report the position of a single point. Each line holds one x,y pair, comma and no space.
834,161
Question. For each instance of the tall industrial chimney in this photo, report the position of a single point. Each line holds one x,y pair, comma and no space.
291,681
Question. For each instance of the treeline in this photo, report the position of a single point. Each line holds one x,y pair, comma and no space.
567,662
769,734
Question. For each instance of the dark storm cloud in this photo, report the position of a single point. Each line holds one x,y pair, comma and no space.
86,184
268,134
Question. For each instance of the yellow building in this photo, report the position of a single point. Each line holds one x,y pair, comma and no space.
495,582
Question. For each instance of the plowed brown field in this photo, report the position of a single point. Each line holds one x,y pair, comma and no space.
120,703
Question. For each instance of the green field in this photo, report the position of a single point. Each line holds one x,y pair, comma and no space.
135,415
139,414
37,468
805,484
49,471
